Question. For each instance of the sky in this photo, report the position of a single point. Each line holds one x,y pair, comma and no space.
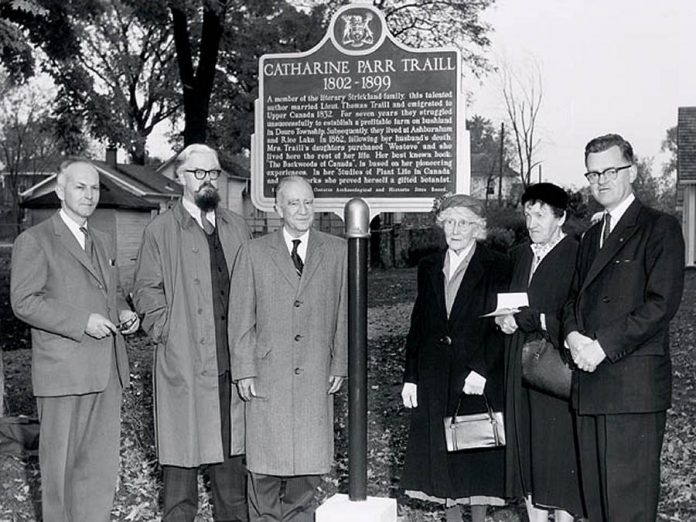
621,66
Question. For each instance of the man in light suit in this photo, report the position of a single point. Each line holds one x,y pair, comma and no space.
626,288
64,285
288,345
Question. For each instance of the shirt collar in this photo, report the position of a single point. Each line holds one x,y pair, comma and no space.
73,227
302,248
620,209
455,260
195,212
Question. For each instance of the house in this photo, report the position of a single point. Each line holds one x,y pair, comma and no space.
686,178
486,181
131,195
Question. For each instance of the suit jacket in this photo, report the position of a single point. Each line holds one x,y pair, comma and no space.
173,289
624,295
54,288
290,334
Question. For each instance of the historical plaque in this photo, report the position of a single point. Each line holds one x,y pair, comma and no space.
361,115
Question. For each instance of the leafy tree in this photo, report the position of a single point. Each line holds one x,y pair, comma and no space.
113,62
15,52
485,141
436,23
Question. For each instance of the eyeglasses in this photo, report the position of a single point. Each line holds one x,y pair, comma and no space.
202,173
608,174
461,223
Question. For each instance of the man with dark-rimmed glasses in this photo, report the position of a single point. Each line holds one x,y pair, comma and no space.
627,287
181,288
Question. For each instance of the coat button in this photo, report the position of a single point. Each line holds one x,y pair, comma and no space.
297,304
195,249
196,281
605,299
200,311
298,371
447,340
202,340
298,337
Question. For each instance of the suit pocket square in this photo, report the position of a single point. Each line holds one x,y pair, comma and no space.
112,262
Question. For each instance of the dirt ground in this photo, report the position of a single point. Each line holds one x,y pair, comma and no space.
391,295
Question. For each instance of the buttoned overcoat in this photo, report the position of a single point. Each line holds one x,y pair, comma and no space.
289,333
173,290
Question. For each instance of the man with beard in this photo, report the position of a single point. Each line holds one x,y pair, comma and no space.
181,289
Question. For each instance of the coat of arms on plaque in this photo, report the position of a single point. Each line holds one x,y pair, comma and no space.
357,32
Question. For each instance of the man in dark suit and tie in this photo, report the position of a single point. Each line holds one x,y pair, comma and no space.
64,284
627,287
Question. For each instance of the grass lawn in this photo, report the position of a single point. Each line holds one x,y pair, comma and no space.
390,299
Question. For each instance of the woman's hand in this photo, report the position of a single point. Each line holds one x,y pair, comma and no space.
474,384
409,394
506,323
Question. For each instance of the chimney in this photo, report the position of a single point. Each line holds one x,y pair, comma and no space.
111,156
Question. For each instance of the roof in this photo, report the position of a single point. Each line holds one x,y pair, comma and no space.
111,196
143,178
481,165
686,144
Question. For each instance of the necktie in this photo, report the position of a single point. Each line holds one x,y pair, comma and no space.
297,261
207,225
607,228
91,251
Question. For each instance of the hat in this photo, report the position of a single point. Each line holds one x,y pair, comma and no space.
548,193
460,200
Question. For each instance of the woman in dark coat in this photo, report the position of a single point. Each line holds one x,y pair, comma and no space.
541,455
451,350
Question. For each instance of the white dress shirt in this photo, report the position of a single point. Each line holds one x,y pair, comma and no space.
73,227
301,248
195,212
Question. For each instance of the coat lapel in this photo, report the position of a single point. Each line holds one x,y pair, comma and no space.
437,279
281,257
67,239
315,254
625,228
474,273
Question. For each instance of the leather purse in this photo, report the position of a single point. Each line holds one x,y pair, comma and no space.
544,368
474,431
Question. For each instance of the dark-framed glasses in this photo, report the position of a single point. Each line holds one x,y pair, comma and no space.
202,173
459,223
608,174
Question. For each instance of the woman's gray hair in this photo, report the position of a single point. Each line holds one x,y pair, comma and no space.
451,201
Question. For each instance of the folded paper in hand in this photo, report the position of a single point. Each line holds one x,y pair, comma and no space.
509,303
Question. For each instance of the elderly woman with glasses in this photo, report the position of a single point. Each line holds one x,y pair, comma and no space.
452,353
541,451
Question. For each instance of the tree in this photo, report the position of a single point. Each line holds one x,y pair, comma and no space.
437,23
114,65
15,53
523,94
27,138
486,144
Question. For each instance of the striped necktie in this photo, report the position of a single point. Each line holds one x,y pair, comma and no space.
91,251
207,225
296,260
607,229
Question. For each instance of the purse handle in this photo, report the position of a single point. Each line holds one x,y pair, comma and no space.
485,399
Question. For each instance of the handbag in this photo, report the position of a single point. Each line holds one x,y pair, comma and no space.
544,369
474,431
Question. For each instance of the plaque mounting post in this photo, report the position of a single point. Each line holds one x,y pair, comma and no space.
357,220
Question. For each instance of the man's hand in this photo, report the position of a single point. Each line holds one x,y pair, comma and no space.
588,356
409,395
528,319
335,383
99,326
128,322
474,384
506,323
247,389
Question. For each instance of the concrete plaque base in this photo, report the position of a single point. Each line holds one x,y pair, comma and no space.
340,509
